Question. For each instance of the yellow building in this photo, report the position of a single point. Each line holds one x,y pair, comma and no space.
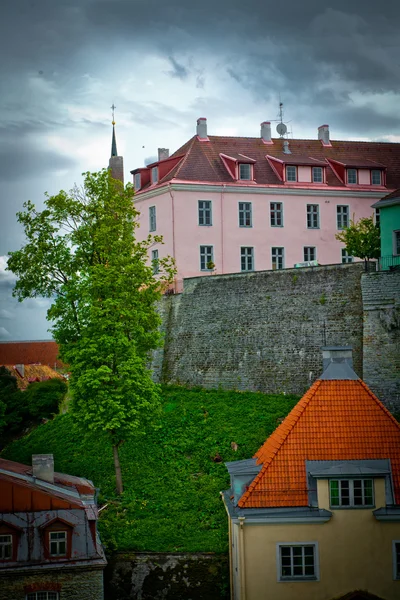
315,514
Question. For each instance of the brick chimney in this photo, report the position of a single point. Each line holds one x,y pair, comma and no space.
266,132
163,153
43,467
201,130
323,135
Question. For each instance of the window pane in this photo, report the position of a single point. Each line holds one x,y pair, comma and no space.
376,177
351,175
291,173
285,551
297,570
309,570
317,174
244,171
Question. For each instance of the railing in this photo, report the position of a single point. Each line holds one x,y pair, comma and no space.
389,263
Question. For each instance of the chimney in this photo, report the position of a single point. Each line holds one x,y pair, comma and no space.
20,369
266,132
286,149
163,153
43,467
202,128
323,135
338,363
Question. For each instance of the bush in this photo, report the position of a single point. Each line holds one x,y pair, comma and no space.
43,398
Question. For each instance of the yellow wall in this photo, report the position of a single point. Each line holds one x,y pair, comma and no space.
355,552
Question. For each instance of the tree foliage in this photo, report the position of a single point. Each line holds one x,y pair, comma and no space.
82,253
362,239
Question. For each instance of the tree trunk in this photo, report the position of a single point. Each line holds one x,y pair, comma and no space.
117,466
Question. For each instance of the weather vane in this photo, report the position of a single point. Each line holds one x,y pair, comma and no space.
113,108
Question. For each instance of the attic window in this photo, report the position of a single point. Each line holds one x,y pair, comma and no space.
350,493
291,173
154,175
137,181
352,176
6,547
376,177
245,171
317,175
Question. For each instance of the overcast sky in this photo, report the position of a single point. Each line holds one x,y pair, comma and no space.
164,63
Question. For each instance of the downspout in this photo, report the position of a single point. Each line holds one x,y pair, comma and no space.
222,228
230,548
242,559
173,225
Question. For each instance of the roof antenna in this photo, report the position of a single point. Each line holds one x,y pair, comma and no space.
281,127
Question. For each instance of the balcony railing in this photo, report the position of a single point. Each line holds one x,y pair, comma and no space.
389,263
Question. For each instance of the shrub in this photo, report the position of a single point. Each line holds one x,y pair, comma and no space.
44,397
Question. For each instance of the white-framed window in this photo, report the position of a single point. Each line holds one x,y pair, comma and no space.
205,212
278,258
317,174
206,257
42,596
297,561
137,182
245,216
276,211
154,175
247,258
396,559
346,257
6,543
351,492
291,173
310,253
312,216
377,217
154,261
245,171
342,216
352,176
57,543
376,177
396,242
152,218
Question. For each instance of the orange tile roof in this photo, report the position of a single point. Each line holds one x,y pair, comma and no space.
335,420
33,373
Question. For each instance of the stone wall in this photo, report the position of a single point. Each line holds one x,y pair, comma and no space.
156,576
260,331
381,301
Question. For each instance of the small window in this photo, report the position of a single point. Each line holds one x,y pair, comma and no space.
317,175
276,211
342,215
297,562
6,546
277,255
58,543
206,257
291,173
351,492
378,217
352,176
205,214
152,218
310,253
376,177
346,257
245,214
154,261
154,175
42,596
247,258
312,216
137,181
396,559
245,171
396,243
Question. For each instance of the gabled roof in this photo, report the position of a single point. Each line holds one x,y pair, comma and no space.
201,160
335,420
42,352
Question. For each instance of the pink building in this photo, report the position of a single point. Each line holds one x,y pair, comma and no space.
249,204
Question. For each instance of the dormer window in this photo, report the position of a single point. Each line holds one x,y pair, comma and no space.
58,543
291,173
376,177
350,493
317,175
137,181
245,171
6,547
154,175
352,176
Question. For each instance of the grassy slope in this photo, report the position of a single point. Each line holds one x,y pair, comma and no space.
171,500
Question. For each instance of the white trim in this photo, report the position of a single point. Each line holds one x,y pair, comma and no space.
316,576
396,576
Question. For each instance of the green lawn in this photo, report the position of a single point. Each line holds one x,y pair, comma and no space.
171,500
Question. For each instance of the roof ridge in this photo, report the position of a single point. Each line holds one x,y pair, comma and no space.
296,413
182,162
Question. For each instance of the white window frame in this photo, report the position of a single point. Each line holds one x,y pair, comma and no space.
6,544
152,218
289,168
137,182
396,242
50,595
250,172
154,175
314,171
275,256
314,248
204,210
208,257
246,256
396,563
245,214
340,214
356,176
57,541
379,172
288,579
276,212
154,261
346,257
311,214
351,493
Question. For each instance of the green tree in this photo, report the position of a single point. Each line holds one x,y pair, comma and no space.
82,253
362,239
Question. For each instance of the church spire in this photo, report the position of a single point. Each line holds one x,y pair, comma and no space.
114,139
116,163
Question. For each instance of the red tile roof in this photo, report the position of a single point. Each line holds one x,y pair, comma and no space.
202,161
42,352
335,420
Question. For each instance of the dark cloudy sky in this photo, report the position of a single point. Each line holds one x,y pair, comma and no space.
164,63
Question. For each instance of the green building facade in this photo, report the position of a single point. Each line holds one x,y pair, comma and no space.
388,210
